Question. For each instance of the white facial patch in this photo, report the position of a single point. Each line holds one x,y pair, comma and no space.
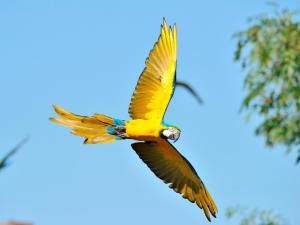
167,133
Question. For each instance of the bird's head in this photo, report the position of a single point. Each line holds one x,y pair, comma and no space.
171,132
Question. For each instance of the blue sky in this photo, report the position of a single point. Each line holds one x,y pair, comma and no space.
86,56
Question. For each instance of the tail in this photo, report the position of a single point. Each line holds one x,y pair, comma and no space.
95,129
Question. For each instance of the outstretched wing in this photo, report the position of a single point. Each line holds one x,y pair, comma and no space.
170,166
155,86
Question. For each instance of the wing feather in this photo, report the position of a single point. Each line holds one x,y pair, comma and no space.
170,166
155,86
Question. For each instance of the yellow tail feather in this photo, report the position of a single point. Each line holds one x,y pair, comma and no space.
93,128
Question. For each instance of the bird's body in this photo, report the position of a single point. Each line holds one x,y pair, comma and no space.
144,130
148,105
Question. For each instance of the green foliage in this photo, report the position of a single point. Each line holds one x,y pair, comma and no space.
269,51
254,216
4,160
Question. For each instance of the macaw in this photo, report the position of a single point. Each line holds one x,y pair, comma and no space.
148,105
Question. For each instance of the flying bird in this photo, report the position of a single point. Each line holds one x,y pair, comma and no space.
148,105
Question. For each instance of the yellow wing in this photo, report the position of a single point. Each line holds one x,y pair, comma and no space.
170,166
155,86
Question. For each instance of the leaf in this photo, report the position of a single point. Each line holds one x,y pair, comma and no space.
4,160
298,158
271,62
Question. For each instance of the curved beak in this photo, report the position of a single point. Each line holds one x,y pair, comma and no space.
176,137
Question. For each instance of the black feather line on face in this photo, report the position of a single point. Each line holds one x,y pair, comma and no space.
162,135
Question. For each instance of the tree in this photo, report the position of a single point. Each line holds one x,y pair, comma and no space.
15,223
269,51
189,88
4,164
4,160
255,216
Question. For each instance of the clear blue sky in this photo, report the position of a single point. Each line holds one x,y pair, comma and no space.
86,56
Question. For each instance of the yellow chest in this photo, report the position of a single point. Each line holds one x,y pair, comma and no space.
143,129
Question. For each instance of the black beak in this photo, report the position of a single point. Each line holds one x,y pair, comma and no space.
176,137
